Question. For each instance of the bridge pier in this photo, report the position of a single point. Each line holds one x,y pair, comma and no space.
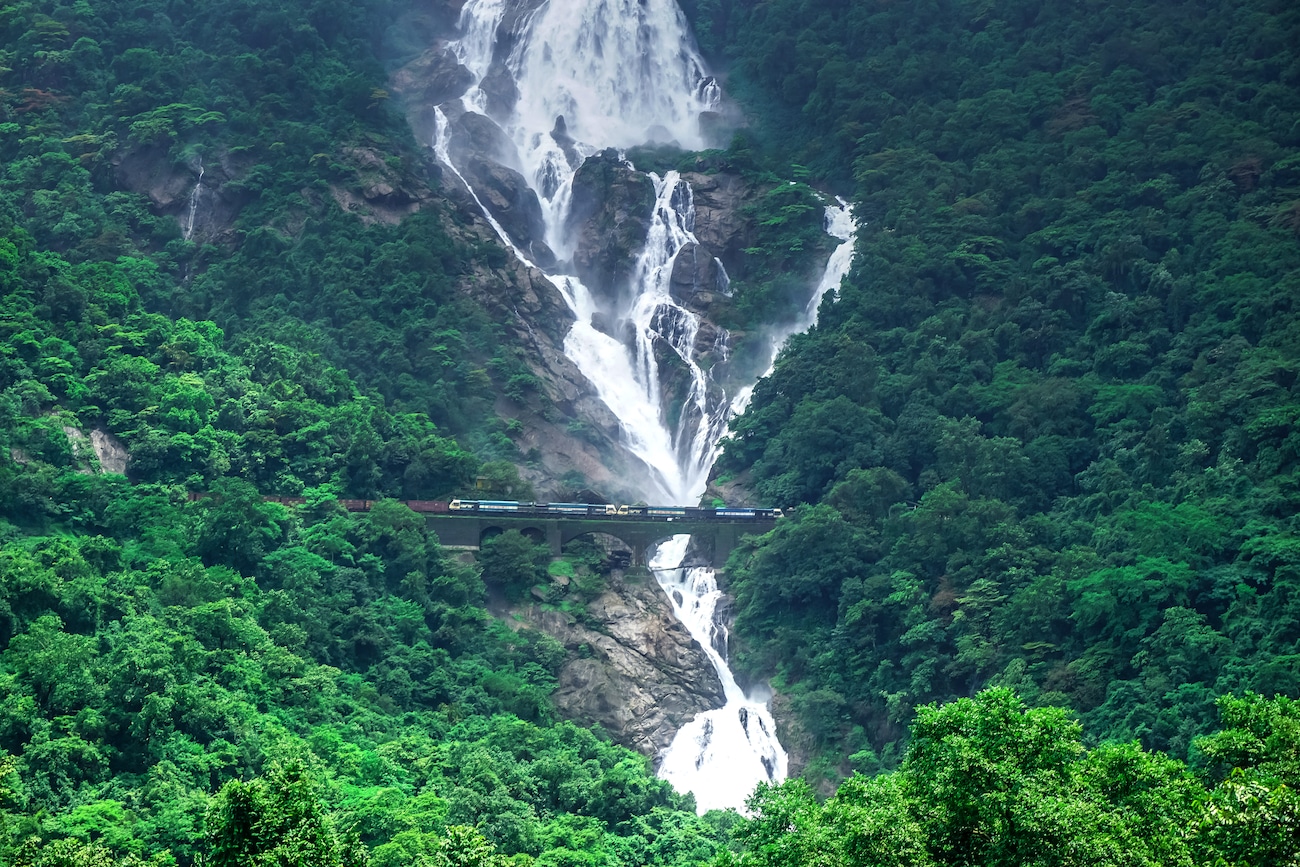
724,541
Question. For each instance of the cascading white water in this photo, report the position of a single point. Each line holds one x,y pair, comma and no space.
621,73
722,754
840,225
195,197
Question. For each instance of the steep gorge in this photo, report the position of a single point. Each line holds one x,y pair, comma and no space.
539,106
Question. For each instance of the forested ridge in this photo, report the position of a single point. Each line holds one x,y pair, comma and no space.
233,682
1043,441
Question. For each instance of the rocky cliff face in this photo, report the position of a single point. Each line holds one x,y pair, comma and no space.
432,79
609,218
199,196
632,667
721,225
537,320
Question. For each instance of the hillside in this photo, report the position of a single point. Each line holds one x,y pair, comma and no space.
1045,439
1036,599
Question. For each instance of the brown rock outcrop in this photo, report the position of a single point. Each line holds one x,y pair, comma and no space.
633,668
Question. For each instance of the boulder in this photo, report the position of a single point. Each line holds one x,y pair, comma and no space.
475,135
560,135
696,278
609,218
605,324
500,89
507,196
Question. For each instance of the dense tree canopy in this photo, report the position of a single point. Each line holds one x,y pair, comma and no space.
987,781
1044,439
1046,434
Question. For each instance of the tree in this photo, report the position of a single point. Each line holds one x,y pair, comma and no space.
1253,815
277,820
513,561
238,529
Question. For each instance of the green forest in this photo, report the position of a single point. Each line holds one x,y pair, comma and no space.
1037,600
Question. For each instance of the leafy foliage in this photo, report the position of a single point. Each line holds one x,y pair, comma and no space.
1044,436
989,781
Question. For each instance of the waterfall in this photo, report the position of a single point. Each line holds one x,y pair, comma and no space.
722,754
840,225
195,196
589,75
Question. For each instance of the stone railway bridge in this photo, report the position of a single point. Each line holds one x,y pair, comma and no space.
713,536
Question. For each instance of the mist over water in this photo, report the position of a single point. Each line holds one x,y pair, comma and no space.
622,73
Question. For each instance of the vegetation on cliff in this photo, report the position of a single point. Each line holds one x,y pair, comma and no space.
231,681
1045,440
1046,437
112,116
235,680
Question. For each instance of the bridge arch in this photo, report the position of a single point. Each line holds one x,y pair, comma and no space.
534,533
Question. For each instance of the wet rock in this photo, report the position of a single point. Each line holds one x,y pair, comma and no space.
475,135
560,135
609,217
710,341
434,77
720,221
147,170
696,277
632,668
498,84
500,89
505,193
605,324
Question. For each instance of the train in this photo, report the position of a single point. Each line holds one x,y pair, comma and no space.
610,510
572,510
547,510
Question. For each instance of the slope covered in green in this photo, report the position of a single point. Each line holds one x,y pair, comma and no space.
1047,436
232,679
232,682
1044,439
987,781
109,110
